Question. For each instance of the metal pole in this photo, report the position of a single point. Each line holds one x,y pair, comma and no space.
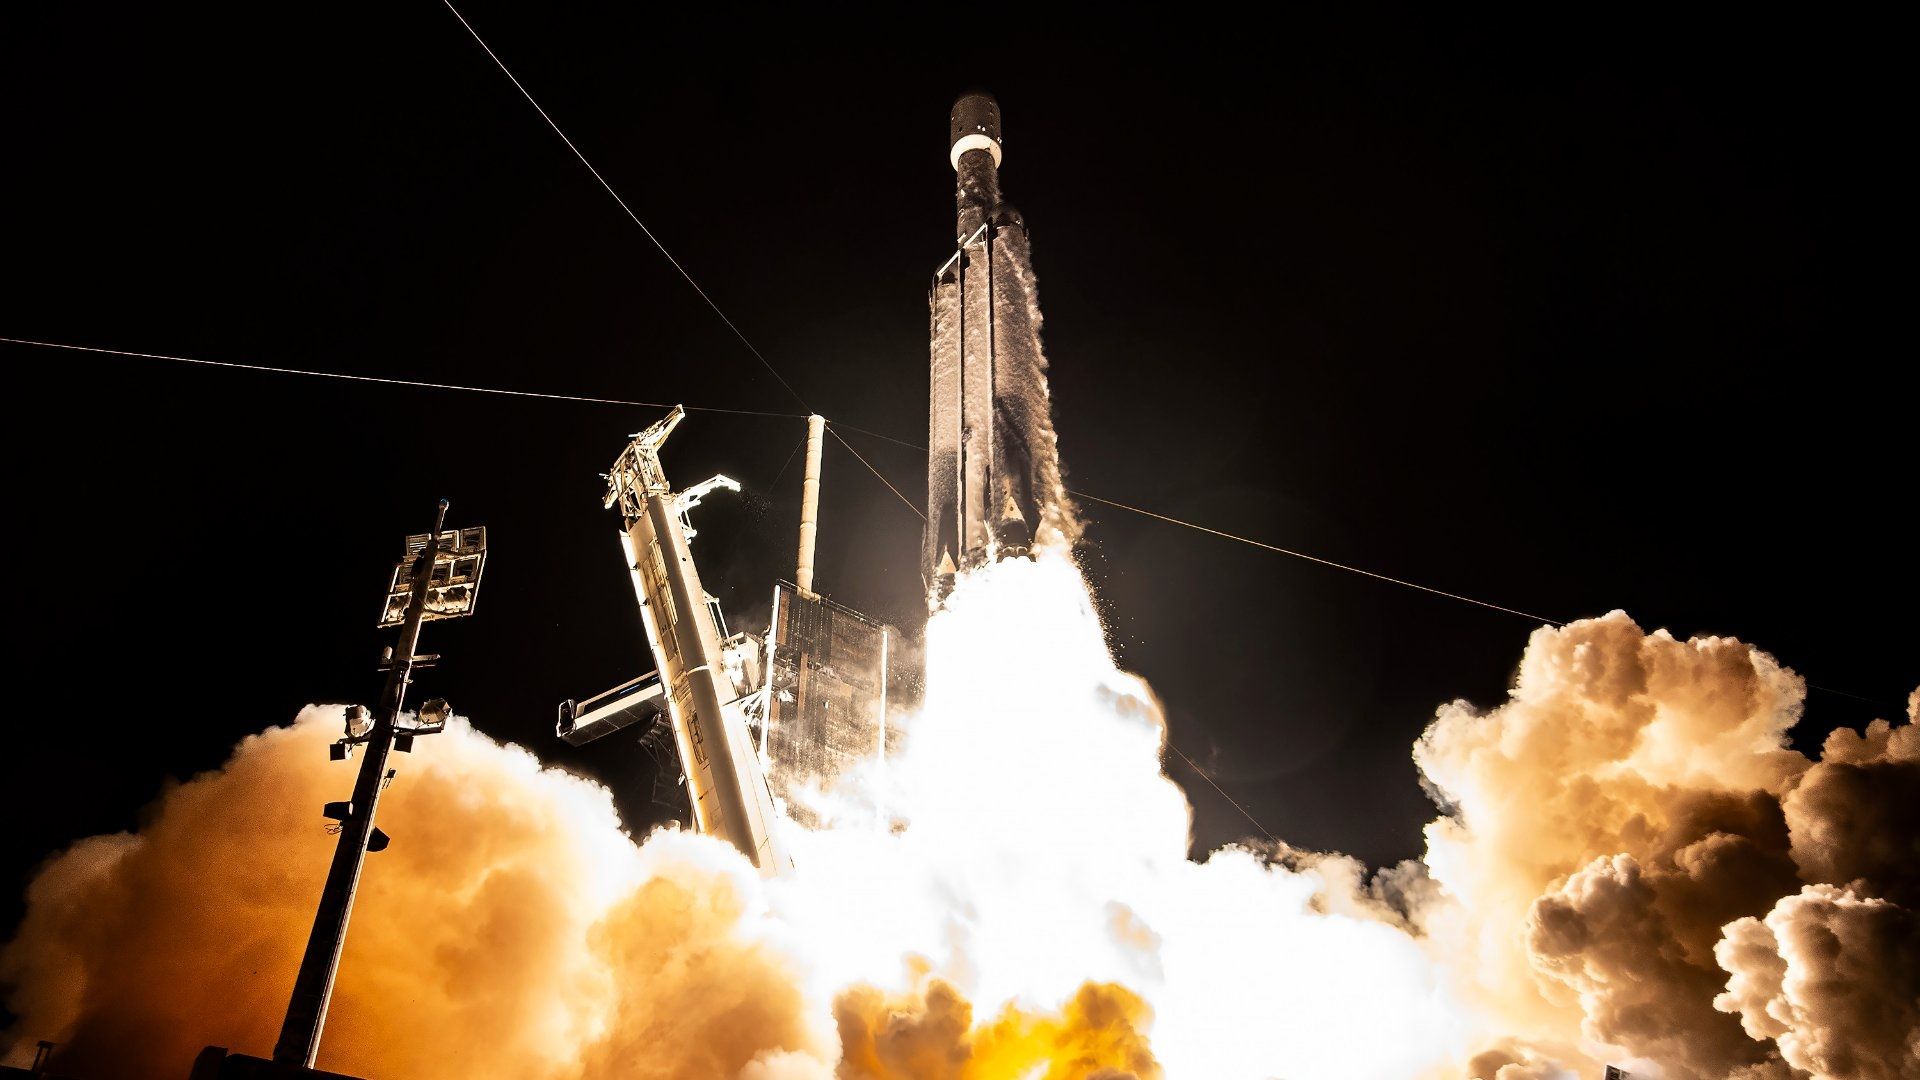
810,505
313,988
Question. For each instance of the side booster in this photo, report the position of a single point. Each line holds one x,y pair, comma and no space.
993,473
727,788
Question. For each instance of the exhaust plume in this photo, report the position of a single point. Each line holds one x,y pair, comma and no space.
1631,866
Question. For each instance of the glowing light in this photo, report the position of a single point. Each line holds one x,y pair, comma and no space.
1043,850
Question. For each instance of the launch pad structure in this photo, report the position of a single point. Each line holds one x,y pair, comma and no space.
726,785
754,718
762,724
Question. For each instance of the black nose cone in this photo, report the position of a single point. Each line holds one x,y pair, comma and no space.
976,113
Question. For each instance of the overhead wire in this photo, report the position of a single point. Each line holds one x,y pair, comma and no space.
908,503
761,357
425,384
421,383
1317,559
882,437
592,400
635,218
1246,540
1244,812
775,482
1323,562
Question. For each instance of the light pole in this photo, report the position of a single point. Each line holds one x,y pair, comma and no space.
438,578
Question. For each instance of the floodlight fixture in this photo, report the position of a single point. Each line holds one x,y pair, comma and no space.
453,587
433,716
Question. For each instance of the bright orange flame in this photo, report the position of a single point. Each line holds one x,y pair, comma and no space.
930,1035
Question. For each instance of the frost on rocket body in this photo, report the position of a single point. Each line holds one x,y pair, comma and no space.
1631,867
1023,394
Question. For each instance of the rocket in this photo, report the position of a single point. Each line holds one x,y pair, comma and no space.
994,487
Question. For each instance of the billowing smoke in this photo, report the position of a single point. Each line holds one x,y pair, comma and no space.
1631,866
504,933
1619,828
1832,978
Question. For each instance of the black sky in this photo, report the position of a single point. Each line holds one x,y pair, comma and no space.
1573,316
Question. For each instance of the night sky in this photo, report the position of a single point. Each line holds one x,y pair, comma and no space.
1568,317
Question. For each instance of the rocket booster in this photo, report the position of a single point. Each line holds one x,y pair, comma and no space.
993,472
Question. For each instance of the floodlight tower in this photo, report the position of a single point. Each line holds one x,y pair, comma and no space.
437,578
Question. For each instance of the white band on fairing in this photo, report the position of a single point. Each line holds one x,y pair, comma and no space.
976,141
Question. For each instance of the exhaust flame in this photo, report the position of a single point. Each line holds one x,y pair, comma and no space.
1631,867
1044,847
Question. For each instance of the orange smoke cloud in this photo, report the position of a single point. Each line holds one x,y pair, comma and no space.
511,930
1833,979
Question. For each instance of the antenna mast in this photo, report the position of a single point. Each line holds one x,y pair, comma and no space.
810,506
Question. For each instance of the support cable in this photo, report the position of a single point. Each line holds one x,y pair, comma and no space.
775,482
1316,559
831,426
1223,791
391,382
882,438
1323,562
635,218
1244,540
908,503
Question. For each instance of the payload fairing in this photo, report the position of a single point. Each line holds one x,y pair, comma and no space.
994,487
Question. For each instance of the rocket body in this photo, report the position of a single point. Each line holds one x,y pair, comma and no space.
994,487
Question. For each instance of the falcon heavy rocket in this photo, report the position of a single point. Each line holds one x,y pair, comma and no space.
994,488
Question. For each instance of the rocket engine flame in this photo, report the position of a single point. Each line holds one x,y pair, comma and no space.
1631,866
1043,847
